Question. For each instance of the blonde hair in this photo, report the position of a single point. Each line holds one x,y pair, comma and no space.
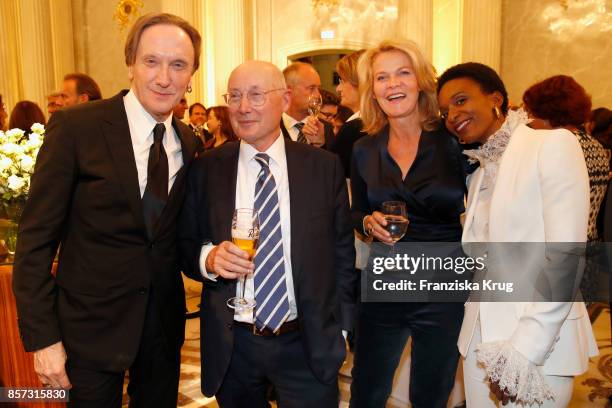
373,117
347,67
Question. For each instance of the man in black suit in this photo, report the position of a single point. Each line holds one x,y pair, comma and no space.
108,186
297,124
302,275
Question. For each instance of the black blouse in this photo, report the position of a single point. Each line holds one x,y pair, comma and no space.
433,189
342,145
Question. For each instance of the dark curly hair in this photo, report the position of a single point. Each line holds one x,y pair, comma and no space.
485,76
560,100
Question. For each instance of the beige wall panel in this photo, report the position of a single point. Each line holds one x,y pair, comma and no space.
541,39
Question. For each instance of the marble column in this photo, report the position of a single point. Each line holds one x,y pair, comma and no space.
415,22
10,74
482,32
35,50
62,40
225,45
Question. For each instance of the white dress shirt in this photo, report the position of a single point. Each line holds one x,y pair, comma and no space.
141,131
248,170
289,123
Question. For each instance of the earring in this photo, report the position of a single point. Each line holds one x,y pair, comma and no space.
496,112
189,89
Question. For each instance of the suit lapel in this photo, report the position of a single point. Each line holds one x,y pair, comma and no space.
284,130
116,131
224,173
188,148
297,176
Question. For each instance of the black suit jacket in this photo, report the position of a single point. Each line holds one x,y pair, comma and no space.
328,133
85,196
322,254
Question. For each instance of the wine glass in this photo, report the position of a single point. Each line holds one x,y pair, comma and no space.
397,220
245,235
315,101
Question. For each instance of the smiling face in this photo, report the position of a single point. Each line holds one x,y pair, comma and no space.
258,126
395,86
468,111
198,116
162,69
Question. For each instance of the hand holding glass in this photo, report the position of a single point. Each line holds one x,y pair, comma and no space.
397,220
315,101
245,235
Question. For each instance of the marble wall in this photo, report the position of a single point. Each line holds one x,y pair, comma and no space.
544,38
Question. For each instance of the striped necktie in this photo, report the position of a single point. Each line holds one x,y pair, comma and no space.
270,287
301,138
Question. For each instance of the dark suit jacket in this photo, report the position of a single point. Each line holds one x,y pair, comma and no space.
85,196
322,254
328,133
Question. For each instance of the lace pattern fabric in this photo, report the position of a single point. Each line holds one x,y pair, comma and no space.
514,373
490,153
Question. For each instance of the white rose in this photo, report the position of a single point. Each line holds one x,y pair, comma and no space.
27,163
5,163
14,134
35,138
37,128
15,183
11,148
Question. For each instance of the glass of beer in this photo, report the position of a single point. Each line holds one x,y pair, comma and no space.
397,220
245,235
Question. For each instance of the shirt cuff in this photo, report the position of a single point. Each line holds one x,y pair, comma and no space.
206,248
365,231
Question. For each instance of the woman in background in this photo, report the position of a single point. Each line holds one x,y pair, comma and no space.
25,114
559,102
532,186
406,157
348,89
219,125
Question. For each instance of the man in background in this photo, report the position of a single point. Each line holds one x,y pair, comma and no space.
55,102
179,110
79,88
297,123
197,115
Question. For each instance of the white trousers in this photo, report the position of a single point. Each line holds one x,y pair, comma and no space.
478,394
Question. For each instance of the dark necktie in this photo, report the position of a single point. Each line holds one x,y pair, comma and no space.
301,138
156,192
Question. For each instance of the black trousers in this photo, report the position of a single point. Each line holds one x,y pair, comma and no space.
154,375
382,332
258,362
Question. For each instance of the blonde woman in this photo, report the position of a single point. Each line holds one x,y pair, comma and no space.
407,157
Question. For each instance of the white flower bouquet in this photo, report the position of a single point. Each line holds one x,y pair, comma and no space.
18,152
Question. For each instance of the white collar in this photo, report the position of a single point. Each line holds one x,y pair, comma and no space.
276,151
354,116
144,123
290,121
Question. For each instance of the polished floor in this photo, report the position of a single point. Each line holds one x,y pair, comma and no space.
592,389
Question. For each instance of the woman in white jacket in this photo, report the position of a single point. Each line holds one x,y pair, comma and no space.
531,186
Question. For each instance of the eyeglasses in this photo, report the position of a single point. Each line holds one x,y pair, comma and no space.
328,115
255,98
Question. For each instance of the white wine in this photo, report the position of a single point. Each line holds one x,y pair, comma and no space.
396,225
249,245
